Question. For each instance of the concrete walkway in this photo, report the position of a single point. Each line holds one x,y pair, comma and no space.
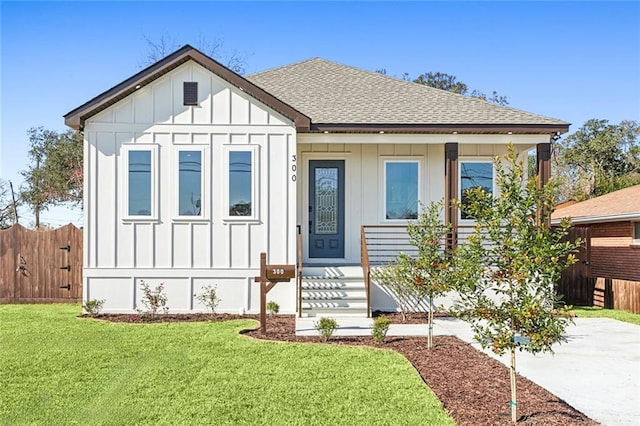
597,371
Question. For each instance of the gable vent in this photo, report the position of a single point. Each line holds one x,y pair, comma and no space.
190,93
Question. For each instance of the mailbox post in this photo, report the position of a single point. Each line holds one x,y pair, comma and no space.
270,275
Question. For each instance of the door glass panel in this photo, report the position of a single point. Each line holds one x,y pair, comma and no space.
326,200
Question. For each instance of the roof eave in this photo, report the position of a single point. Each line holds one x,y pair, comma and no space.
77,117
578,220
441,128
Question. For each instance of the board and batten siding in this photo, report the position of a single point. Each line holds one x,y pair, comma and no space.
364,157
364,172
187,253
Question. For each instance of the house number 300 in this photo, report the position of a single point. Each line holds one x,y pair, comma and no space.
294,168
278,271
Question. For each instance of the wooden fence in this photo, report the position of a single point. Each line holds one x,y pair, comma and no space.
579,287
40,266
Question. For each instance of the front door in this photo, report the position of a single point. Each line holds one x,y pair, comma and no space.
326,208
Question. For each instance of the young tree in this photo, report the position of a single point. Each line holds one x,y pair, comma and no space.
397,278
432,267
428,274
509,268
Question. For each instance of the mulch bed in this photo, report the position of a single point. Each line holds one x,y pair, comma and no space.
473,387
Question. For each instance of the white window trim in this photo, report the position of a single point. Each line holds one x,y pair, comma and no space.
124,189
461,160
255,189
205,202
383,184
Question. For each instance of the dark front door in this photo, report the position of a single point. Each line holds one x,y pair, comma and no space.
326,209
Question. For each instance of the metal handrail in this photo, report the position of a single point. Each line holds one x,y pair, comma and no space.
366,268
299,277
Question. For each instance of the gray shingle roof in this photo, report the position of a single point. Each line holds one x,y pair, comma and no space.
332,93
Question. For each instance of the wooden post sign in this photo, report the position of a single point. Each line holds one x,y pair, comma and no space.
270,275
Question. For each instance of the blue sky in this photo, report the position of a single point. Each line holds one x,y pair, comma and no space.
568,60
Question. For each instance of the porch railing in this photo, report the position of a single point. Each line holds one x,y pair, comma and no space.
379,245
299,267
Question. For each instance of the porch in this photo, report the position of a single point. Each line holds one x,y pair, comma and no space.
343,286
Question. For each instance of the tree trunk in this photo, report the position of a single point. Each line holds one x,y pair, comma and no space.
512,403
430,321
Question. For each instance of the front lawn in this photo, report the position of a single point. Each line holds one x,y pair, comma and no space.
59,369
595,312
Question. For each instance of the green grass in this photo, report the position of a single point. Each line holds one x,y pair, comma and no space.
59,369
595,312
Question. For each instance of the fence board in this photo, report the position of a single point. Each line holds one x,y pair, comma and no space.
31,261
578,286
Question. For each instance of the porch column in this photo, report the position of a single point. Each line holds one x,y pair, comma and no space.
451,192
543,154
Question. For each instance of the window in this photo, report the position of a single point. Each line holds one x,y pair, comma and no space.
241,185
401,189
139,182
190,183
636,232
190,93
474,174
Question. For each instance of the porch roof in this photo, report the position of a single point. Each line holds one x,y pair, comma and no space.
341,98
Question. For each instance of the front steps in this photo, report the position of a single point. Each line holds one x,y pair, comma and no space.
333,291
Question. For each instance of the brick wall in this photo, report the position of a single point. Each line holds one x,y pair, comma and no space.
612,252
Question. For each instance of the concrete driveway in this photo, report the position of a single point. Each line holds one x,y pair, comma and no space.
597,371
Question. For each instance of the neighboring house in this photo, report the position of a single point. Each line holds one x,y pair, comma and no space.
608,272
191,171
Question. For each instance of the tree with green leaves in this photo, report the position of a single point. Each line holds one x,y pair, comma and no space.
598,158
450,83
397,279
509,267
432,275
55,174
442,81
425,276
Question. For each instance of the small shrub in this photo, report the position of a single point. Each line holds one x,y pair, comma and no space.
380,329
326,327
273,308
208,297
154,300
93,306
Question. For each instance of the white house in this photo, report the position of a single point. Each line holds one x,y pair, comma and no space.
191,171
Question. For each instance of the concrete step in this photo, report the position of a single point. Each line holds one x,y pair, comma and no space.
332,272
355,296
334,304
333,290
344,311
332,285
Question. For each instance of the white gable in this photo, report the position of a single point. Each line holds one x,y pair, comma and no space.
219,103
